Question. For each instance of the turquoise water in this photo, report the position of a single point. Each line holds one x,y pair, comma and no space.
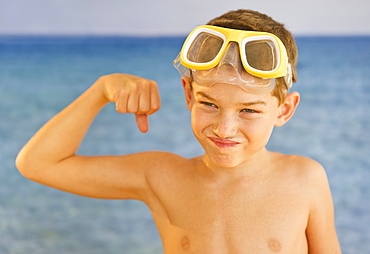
41,75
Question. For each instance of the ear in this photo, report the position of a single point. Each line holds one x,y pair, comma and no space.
186,84
287,109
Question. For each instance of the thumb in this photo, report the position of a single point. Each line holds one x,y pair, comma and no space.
142,122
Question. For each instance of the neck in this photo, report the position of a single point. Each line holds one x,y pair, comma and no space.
253,166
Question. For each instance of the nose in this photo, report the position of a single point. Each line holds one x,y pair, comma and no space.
226,125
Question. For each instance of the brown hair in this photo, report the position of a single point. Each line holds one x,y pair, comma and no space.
255,21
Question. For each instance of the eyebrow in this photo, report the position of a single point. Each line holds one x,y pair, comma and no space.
251,103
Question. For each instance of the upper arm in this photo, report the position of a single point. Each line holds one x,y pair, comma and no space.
321,233
108,177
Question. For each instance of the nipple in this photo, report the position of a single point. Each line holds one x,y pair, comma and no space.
185,243
274,245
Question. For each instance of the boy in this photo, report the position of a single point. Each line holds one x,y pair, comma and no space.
237,197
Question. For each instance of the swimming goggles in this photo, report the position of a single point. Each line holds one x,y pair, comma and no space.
251,60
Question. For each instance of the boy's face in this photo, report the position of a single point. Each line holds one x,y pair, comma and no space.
230,124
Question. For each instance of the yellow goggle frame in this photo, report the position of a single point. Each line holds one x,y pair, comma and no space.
281,67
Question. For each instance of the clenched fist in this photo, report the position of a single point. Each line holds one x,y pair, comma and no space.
131,94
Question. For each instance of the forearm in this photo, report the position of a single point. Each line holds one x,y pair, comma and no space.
61,137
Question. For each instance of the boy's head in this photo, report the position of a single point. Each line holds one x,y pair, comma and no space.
255,21
240,50
249,20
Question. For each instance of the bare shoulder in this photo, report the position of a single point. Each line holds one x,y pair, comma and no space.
308,173
162,165
300,165
164,173
159,160
310,177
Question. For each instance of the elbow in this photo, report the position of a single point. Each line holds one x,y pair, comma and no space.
24,165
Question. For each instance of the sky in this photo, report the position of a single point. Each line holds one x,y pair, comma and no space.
175,17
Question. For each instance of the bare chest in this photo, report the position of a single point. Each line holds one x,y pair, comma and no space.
240,218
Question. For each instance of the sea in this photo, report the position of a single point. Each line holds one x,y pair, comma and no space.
40,75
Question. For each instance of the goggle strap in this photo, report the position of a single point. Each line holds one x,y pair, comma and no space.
288,78
184,71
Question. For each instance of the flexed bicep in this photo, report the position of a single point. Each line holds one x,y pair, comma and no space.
50,156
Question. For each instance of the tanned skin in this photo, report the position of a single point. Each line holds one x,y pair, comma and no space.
237,197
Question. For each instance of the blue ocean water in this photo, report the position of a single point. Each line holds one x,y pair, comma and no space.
41,75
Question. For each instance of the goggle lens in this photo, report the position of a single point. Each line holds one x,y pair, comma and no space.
261,55
204,48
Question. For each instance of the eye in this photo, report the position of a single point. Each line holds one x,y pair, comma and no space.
209,104
247,110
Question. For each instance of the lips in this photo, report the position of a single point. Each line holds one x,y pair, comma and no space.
223,143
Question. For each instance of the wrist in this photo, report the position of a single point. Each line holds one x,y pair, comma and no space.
97,92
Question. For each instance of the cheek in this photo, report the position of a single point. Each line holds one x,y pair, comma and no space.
264,126
199,120
258,131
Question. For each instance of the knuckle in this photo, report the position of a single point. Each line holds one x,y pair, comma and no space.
121,107
132,108
120,110
154,108
144,109
153,84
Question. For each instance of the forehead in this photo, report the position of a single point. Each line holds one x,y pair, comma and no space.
232,94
